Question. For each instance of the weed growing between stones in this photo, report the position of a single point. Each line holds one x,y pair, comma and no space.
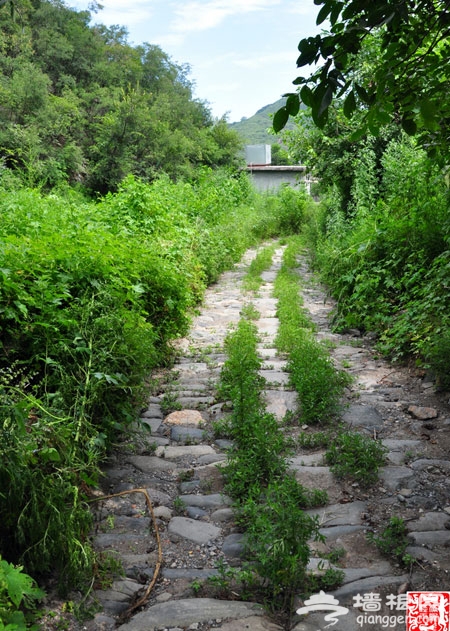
393,541
268,501
313,375
356,456
263,260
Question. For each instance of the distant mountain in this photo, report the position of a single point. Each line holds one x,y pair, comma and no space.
253,130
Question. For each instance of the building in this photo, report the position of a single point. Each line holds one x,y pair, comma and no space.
266,176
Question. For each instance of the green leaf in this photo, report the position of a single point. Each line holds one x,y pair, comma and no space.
306,96
409,126
280,119
326,100
349,104
362,93
428,111
293,104
323,13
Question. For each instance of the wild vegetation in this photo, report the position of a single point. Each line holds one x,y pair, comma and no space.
92,295
79,104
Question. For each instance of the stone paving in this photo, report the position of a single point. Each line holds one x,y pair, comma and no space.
175,458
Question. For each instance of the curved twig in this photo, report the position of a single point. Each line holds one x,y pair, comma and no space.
143,599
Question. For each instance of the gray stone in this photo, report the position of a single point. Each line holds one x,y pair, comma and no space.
394,477
275,376
153,411
233,545
188,611
340,514
195,513
150,464
307,460
206,501
222,515
335,532
211,459
431,538
152,423
429,521
252,623
191,485
224,443
278,402
423,554
424,463
369,584
364,416
163,512
188,573
197,531
187,435
194,451
352,574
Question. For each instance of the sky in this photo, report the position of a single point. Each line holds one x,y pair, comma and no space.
242,53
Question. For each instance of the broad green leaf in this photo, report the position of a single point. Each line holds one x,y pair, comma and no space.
326,100
306,95
349,104
323,13
280,119
293,104
428,111
409,126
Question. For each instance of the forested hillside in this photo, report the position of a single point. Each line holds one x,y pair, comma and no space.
78,104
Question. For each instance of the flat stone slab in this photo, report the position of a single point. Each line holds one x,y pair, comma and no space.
196,531
307,460
278,402
394,478
431,538
340,514
318,478
150,464
253,623
275,376
369,584
429,521
185,417
187,434
182,613
172,453
365,416
424,463
214,500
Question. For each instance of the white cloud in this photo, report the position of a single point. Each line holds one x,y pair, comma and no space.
134,12
199,16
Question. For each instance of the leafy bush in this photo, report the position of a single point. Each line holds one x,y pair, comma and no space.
393,541
356,456
18,597
91,296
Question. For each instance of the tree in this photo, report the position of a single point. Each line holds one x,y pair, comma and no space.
408,84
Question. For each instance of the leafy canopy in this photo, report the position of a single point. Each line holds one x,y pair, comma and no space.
407,82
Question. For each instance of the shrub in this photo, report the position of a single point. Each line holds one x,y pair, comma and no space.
356,456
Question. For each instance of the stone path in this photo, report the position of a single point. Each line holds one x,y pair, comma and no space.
178,462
